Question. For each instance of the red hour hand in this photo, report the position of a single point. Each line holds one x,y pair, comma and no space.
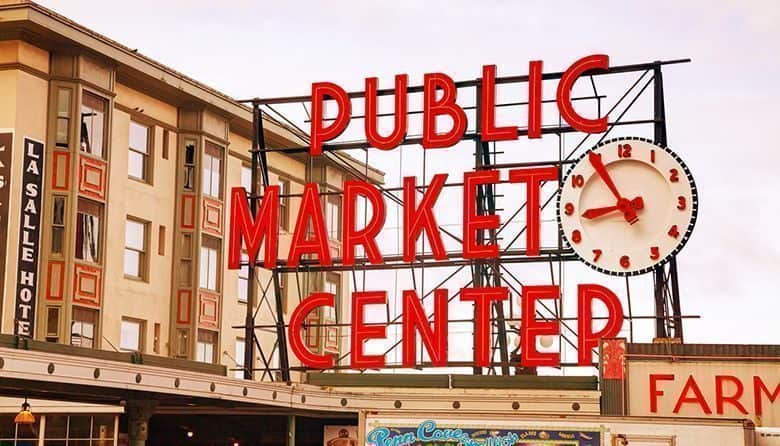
598,212
598,166
628,208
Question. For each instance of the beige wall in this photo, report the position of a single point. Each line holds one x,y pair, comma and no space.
147,300
22,109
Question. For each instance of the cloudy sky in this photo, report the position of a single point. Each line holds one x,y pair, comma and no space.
721,108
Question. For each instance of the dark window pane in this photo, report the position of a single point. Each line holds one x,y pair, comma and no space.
7,426
59,211
189,154
79,426
56,240
88,231
103,426
56,426
29,431
92,124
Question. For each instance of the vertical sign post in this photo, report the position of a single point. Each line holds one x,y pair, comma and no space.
29,237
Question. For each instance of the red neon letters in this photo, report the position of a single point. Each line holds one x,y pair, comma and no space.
434,335
440,95
726,393
310,214
366,236
533,328
253,231
320,132
418,218
588,340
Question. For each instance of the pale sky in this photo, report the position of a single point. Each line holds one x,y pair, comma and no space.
721,109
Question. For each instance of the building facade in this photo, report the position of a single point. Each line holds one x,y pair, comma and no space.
122,169
118,307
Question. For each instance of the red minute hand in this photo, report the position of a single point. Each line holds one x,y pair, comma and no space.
595,161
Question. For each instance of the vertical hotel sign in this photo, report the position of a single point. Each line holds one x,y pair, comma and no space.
6,141
29,237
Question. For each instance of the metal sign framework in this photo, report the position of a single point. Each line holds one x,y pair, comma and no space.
492,272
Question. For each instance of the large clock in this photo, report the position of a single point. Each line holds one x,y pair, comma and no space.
627,206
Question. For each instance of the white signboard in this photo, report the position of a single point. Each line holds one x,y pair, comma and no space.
705,389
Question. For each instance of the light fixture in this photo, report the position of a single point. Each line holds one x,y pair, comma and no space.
190,434
25,416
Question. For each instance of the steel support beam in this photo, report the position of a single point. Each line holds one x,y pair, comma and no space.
666,290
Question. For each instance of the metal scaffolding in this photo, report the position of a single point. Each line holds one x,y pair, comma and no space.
491,272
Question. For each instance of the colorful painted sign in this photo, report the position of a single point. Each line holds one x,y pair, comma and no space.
428,432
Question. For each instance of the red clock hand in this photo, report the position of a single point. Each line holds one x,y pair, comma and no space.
628,208
595,161
598,212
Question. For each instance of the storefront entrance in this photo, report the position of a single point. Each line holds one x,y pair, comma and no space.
239,430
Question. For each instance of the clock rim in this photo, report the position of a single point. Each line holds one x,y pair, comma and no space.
685,236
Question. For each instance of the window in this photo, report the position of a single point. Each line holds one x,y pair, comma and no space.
209,263
58,224
52,324
63,117
166,143
333,286
182,342
93,118
333,217
138,165
204,351
156,343
88,230
240,346
161,240
135,248
19,434
212,170
284,208
243,278
185,266
246,178
132,335
60,429
189,165
83,328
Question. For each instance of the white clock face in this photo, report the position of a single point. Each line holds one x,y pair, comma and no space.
627,206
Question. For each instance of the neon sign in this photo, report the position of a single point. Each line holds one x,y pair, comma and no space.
310,239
